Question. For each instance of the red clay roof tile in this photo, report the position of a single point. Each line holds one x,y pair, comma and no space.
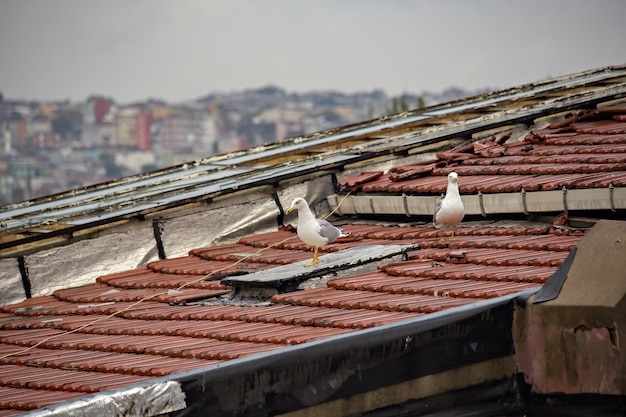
126,334
28,399
362,178
581,152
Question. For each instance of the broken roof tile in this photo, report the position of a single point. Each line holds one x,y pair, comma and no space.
362,178
582,152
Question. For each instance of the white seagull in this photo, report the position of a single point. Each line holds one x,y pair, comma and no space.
312,231
450,210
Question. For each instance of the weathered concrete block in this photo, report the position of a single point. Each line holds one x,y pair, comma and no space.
572,344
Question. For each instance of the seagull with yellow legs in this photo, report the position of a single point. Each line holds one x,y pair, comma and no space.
311,230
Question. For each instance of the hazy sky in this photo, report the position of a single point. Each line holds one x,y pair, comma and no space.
183,49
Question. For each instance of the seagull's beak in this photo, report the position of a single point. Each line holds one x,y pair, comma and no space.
289,210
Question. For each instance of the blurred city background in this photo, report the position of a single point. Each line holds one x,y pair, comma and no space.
50,147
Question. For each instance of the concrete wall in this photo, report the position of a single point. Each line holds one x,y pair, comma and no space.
572,344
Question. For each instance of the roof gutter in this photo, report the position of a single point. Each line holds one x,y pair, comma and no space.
610,198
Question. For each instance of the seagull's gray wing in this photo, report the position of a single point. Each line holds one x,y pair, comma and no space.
437,208
328,231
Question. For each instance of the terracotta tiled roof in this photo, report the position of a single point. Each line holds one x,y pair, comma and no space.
253,295
151,321
586,151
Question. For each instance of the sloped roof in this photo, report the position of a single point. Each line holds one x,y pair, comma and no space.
150,322
219,305
550,169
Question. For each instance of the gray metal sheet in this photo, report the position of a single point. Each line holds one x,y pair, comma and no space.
524,93
104,205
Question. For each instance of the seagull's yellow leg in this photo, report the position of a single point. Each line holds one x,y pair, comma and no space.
440,234
315,260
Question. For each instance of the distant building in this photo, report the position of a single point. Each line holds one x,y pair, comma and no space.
98,110
188,132
134,161
98,135
143,137
286,123
38,124
6,142
133,129
18,130
47,140
99,124
264,132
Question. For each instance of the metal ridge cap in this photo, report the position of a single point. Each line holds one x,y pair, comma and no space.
114,193
494,119
559,82
98,187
